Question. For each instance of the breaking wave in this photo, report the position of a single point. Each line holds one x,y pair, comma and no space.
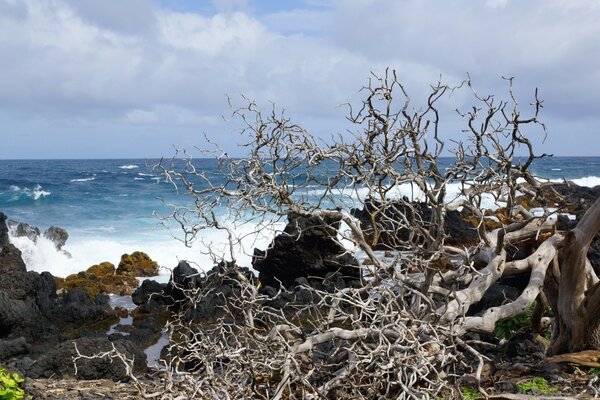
35,193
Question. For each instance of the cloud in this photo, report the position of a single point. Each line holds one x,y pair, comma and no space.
129,17
134,64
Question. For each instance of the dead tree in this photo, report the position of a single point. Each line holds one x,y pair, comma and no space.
403,331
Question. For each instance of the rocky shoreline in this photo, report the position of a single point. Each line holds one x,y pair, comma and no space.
47,322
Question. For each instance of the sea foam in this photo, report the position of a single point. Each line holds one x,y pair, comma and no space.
83,179
35,193
129,166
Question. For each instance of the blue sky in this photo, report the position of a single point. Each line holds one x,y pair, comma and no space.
121,79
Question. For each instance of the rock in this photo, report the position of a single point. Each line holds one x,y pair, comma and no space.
21,229
307,247
497,294
57,235
14,313
69,389
183,277
100,278
102,269
523,347
137,264
392,234
15,347
58,362
11,261
150,291
3,231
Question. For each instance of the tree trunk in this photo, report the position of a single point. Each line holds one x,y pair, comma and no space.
576,299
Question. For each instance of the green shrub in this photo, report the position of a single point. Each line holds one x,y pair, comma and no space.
9,386
468,393
539,385
506,328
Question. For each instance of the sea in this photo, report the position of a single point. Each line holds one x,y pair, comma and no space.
113,207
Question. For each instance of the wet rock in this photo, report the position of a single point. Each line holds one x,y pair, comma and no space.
15,347
21,229
3,231
137,264
57,235
58,362
307,247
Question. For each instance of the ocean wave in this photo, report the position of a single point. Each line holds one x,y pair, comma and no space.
35,193
83,179
129,166
89,249
588,181
143,174
556,169
138,179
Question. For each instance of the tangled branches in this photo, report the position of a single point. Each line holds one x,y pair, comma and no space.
388,196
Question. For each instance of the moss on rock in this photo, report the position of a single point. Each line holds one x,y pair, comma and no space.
137,264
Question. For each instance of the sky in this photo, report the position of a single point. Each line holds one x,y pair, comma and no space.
133,79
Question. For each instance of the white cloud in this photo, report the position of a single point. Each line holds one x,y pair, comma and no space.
135,63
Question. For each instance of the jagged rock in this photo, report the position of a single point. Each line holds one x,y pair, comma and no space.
137,264
3,231
58,362
307,247
21,229
11,260
148,291
57,235
15,347
392,235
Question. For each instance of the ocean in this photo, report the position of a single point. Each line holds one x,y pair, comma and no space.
109,207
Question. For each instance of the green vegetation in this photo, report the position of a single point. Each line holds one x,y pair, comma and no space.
468,393
9,389
506,328
535,385
594,371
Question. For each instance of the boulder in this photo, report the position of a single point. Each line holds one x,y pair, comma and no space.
3,231
306,247
393,235
137,264
148,291
58,362
100,278
102,269
57,235
15,347
21,229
